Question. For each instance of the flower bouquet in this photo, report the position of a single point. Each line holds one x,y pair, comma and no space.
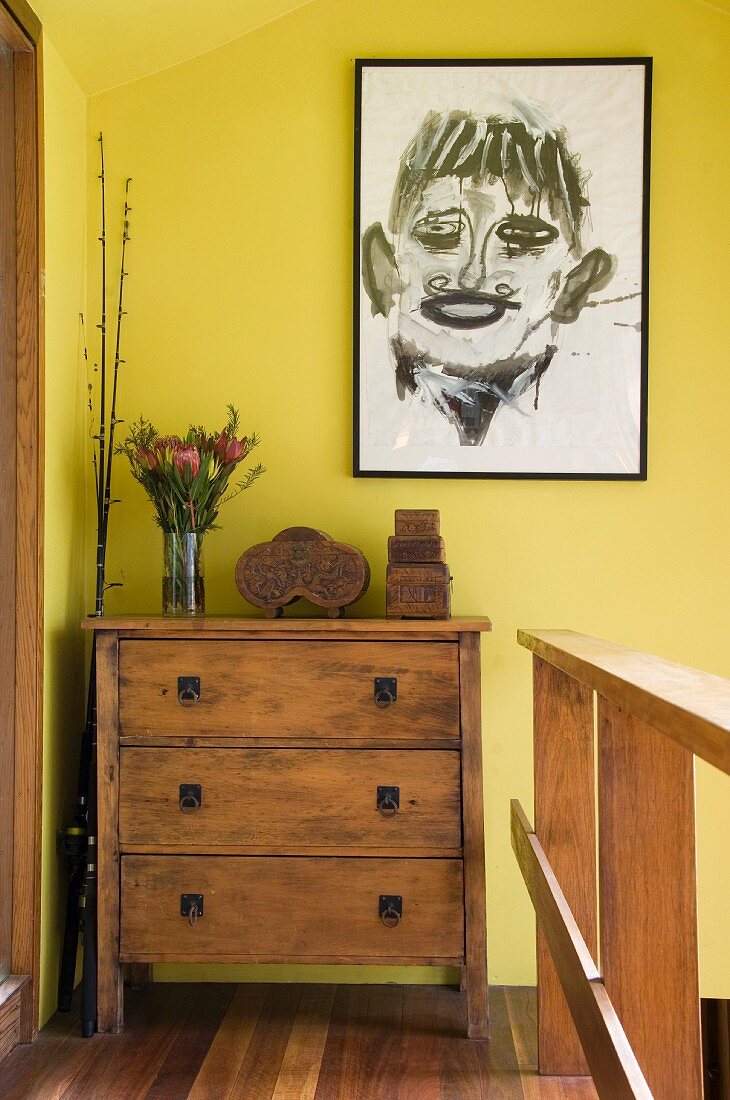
188,479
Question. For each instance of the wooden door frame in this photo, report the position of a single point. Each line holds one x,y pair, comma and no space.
21,30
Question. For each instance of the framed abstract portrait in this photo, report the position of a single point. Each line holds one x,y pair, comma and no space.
501,268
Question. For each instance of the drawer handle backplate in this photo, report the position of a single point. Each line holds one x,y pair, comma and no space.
388,800
385,691
391,909
191,797
191,906
188,690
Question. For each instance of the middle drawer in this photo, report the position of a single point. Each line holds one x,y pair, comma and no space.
289,799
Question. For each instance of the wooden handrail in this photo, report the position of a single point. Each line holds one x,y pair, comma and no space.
689,706
614,869
611,1060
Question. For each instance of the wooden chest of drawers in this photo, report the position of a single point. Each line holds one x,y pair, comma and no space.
290,791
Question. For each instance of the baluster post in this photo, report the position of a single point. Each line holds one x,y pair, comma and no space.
566,828
648,898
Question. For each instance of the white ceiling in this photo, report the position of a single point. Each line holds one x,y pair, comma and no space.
109,42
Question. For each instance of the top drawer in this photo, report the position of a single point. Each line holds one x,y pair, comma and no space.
288,689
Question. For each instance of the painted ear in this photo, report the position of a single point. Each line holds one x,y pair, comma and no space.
379,270
593,272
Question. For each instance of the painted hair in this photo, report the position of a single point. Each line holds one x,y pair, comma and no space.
533,164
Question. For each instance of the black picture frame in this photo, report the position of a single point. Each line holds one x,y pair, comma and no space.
361,469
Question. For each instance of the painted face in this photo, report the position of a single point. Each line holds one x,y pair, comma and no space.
479,273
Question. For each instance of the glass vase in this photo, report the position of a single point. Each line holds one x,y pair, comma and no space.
183,583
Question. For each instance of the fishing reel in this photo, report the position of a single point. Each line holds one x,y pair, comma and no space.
71,842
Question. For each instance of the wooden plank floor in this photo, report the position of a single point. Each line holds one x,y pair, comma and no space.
292,1042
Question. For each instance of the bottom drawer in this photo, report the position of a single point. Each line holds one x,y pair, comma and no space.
260,908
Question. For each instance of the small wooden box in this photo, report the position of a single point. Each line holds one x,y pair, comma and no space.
417,521
418,591
416,548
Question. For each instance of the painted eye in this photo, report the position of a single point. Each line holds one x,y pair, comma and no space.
526,232
439,234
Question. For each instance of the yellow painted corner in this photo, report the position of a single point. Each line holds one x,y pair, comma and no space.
240,290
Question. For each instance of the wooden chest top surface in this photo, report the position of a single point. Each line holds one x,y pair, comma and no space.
242,624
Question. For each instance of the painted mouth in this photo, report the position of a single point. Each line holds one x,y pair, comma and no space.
464,309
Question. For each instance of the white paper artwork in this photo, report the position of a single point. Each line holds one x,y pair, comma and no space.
501,247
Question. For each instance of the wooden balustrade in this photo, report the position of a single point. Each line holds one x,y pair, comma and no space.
626,880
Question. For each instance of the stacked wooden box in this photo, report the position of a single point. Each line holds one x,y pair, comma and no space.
418,579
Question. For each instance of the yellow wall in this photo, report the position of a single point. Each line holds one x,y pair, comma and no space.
65,573
242,197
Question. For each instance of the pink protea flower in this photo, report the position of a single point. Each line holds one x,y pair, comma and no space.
220,446
148,458
187,461
236,449
166,443
230,450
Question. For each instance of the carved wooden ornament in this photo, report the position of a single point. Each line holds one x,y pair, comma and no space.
302,561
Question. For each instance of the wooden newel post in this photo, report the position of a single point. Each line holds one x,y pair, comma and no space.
648,899
565,824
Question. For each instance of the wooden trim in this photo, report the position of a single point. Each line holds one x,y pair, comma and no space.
25,23
11,987
283,635
16,19
8,467
12,992
321,960
12,33
565,820
290,850
472,800
311,742
110,1010
649,952
612,1062
161,626
689,706
29,555
13,1009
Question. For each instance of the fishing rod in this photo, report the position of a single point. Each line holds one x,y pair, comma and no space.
121,312
79,840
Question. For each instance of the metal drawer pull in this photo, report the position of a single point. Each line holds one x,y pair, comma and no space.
391,909
385,691
388,800
188,690
191,906
191,797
